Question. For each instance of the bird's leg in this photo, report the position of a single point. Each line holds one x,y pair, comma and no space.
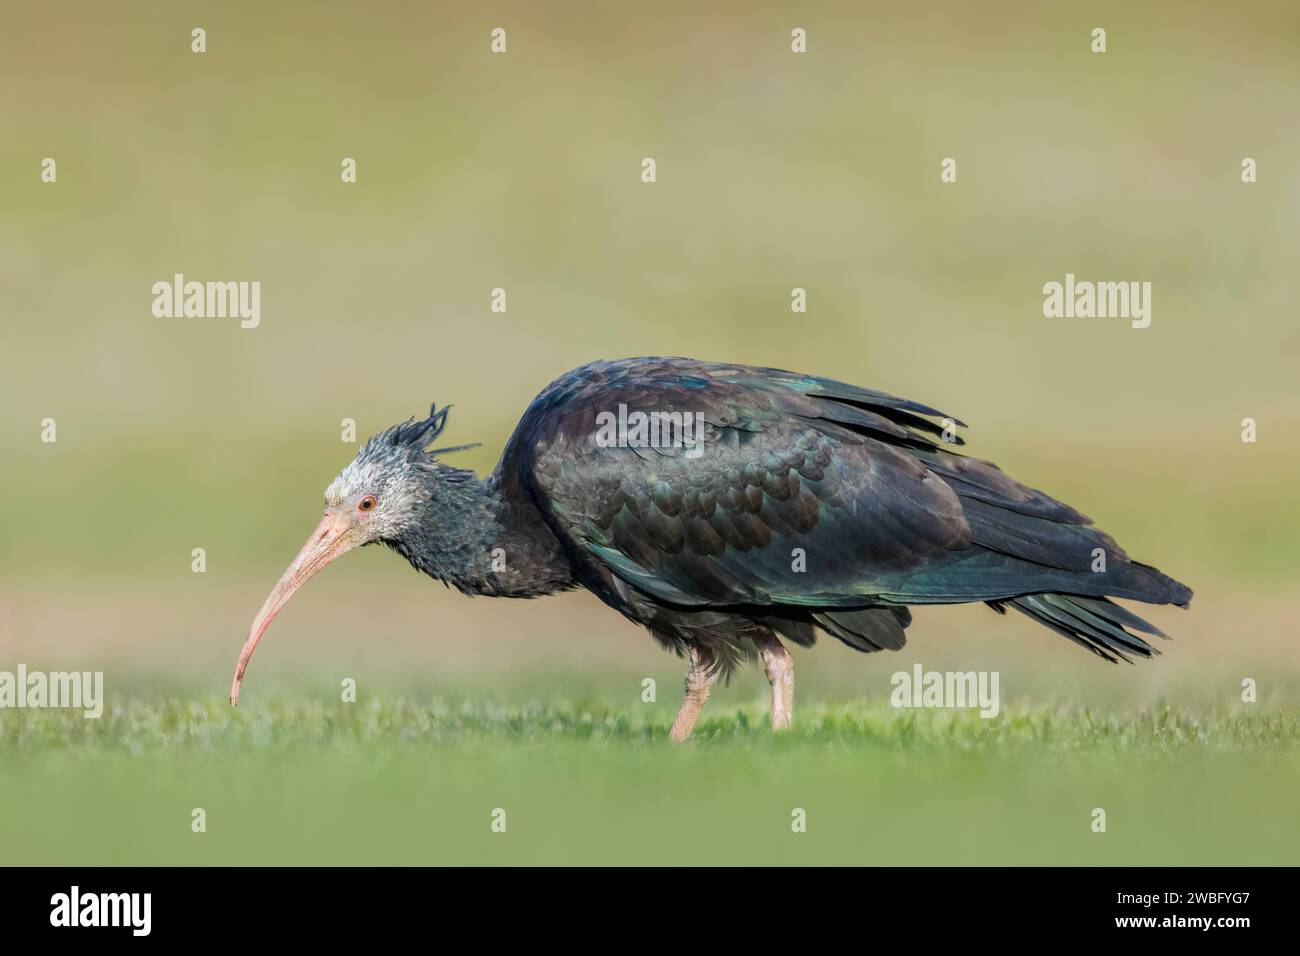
700,679
779,666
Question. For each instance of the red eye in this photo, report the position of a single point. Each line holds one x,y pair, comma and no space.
366,503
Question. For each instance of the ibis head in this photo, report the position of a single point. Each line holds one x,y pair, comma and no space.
391,493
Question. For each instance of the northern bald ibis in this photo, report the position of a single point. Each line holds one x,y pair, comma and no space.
725,507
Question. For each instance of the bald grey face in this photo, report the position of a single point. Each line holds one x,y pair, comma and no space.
380,496
378,492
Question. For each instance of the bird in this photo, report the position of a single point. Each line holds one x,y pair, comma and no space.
731,510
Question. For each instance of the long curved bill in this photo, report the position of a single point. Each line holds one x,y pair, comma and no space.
327,542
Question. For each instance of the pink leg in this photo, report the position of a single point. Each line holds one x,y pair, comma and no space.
779,666
700,679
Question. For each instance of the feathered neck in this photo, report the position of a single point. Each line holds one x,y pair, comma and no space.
470,535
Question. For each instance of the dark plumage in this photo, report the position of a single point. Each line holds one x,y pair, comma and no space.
811,504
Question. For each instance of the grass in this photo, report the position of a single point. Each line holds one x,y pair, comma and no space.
415,781
209,725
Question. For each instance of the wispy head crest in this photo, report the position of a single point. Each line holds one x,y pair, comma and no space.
420,434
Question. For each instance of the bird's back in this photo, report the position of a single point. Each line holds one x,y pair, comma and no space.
807,498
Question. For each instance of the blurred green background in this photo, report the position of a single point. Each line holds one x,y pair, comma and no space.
522,171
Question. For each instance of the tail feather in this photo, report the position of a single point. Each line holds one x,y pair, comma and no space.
1095,624
867,629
